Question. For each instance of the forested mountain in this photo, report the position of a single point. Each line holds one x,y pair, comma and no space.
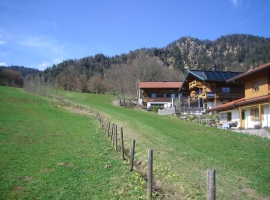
121,74
24,71
237,52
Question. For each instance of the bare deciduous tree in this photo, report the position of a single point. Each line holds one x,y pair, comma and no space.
97,85
147,69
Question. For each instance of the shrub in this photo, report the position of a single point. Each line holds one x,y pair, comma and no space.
155,108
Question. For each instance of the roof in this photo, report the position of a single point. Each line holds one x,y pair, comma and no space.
165,84
249,72
226,106
213,75
238,102
221,76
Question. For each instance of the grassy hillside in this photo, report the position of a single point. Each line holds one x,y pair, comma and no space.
184,151
48,152
51,153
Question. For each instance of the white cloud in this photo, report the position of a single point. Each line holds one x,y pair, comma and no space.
3,64
236,3
1,40
57,60
43,65
48,45
46,48
36,42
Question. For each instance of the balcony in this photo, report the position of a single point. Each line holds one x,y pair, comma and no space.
229,96
195,84
157,99
212,95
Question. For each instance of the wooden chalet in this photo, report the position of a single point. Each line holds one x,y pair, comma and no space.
159,93
252,111
210,88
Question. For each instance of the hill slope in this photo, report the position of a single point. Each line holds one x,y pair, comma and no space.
121,74
238,52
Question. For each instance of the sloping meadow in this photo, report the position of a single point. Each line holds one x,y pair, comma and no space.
50,153
184,151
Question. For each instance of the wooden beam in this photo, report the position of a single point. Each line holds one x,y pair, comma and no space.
240,117
260,112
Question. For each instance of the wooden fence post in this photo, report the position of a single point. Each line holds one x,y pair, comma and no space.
109,129
132,155
101,121
115,137
211,184
112,131
150,174
122,144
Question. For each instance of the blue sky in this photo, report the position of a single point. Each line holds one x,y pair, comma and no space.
40,33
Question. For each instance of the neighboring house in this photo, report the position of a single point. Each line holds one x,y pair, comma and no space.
252,111
159,93
208,89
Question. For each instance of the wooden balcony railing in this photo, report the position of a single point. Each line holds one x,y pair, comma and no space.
211,95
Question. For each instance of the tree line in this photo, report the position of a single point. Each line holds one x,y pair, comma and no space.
121,74
121,79
11,78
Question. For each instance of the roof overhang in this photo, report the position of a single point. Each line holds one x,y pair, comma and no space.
247,73
237,103
159,85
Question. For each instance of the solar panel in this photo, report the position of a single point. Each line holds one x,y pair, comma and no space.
219,76
214,75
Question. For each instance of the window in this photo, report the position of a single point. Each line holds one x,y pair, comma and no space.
229,116
225,116
243,114
254,112
226,89
199,91
165,95
153,95
256,86
173,95
180,95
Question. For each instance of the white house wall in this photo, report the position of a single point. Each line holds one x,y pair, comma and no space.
266,119
210,104
248,122
235,116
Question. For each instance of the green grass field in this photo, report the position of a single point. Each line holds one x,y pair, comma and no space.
48,152
184,151
51,153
